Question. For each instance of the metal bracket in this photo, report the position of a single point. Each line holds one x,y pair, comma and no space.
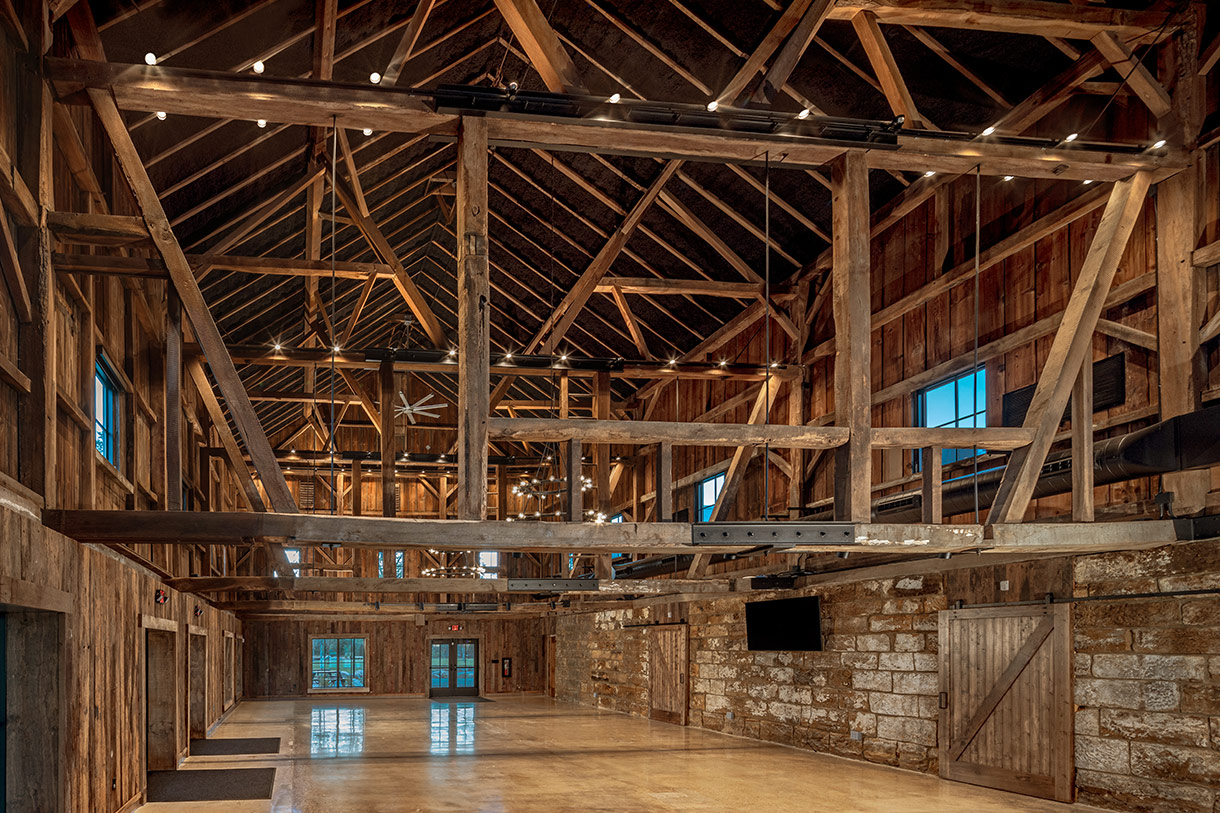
780,534
551,585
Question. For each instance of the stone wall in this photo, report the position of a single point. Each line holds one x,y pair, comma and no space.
877,677
1147,671
1148,681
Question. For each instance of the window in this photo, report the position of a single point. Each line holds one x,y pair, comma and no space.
294,558
400,564
106,412
617,519
337,663
489,560
957,402
706,494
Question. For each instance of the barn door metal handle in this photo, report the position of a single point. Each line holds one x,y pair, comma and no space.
682,678
944,700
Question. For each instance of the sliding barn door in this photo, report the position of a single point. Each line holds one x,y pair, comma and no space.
667,674
1006,699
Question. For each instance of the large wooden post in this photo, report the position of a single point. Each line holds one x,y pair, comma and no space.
852,315
36,410
1082,444
1179,298
474,291
575,497
388,467
665,482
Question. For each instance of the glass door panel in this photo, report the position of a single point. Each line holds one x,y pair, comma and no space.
453,668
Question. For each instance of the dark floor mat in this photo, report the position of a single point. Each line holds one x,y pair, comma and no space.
447,700
235,745
210,786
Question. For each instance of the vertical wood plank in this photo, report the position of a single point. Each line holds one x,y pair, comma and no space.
385,377
1082,444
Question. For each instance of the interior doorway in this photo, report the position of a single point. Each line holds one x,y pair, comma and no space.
453,667
161,709
1006,699
667,656
31,709
197,707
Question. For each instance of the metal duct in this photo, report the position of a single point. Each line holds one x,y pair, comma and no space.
1185,442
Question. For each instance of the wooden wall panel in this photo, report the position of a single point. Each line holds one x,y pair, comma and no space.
103,658
277,653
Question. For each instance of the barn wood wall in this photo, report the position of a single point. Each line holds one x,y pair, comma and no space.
1147,673
102,668
276,654
1030,285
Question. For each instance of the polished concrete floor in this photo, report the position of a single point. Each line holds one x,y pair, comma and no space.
383,755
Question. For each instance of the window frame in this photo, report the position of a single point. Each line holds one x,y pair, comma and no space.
700,507
400,564
364,689
919,408
490,571
110,384
297,565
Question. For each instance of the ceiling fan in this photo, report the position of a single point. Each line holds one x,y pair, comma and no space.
421,407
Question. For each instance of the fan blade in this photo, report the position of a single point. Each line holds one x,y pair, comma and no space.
424,400
411,417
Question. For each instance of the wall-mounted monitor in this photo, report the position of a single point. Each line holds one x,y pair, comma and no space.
784,625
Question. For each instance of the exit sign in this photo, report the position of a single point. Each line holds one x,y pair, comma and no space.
455,627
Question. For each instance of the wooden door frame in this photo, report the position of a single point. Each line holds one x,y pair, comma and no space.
551,657
480,677
160,635
1061,737
684,675
193,725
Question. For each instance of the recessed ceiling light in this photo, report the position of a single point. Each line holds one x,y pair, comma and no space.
614,98
368,131
804,114
258,66
1071,137
150,58
161,115
1008,177
712,105
261,123
1160,143
989,130
375,78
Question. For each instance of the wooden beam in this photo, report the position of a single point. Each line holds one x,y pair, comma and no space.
851,297
664,482
798,41
1128,334
474,305
223,95
10,264
931,496
546,53
207,527
1070,346
349,584
639,433
1082,444
1139,78
385,378
179,269
326,18
407,42
739,464
754,63
997,438
248,490
172,422
886,69
633,326
402,280
573,488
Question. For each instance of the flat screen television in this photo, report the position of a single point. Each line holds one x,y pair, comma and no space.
784,625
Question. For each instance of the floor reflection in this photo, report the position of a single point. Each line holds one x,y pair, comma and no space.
336,732
452,729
